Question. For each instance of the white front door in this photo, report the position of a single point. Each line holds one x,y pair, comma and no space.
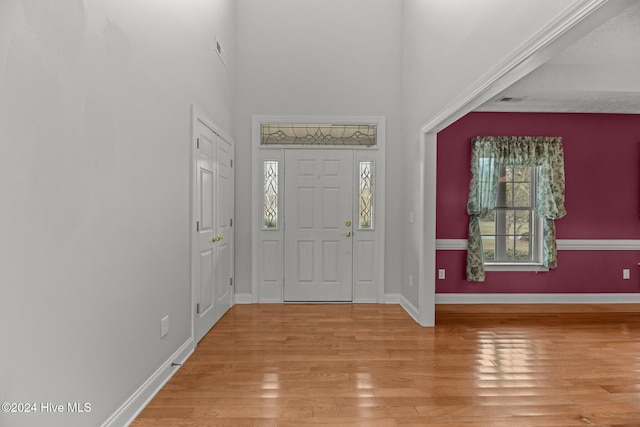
213,199
318,247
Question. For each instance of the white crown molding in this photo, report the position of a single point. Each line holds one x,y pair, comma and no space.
621,298
563,245
573,21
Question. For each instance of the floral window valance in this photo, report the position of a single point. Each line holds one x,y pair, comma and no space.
487,154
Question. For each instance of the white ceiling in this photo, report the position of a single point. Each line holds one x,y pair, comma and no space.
599,73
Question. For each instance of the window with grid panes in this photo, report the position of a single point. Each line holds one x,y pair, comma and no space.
512,232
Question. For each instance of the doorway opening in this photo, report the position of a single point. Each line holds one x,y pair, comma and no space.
318,209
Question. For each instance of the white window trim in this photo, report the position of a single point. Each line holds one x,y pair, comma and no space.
525,266
515,267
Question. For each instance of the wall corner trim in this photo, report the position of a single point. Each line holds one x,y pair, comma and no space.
130,409
405,304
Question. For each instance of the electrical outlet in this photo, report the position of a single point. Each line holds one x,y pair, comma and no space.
441,274
626,274
164,326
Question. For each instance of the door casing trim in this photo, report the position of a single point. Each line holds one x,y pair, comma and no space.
262,292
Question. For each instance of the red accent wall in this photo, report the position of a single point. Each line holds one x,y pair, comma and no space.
602,172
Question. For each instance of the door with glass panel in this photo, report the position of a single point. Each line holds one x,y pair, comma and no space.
318,243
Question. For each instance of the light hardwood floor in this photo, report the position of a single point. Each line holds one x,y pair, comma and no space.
372,365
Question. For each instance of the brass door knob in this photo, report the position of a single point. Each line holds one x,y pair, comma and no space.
348,223
348,234
217,238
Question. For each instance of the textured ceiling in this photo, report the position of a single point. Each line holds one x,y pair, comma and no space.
599,73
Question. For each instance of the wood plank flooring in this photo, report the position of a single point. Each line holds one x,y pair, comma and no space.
372,365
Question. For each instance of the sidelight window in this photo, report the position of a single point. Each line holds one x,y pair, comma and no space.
270,194
365,195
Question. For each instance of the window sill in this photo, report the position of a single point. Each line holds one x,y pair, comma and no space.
515,267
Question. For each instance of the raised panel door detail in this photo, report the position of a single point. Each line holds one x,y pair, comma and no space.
306,211
206,199
306,260
330,167
318,202
331,208
330,263
206,278
207,144
224,273
305,167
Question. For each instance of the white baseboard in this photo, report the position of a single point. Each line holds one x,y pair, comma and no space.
410,308
130,409
246,298
537,298
392,298
243,298
404,303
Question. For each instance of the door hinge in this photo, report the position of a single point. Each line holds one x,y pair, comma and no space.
198,308
197,142
197,225
231,222
230,281
231,162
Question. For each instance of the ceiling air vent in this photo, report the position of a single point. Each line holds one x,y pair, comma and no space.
221,52
509,99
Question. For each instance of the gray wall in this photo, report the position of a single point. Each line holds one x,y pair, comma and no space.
95,104
95,101
318,57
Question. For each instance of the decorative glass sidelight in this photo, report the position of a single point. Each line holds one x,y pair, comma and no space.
316,134
270,194
365,195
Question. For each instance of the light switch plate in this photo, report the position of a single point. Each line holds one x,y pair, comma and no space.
164,325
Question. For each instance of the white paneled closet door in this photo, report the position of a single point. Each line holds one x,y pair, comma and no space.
212,264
